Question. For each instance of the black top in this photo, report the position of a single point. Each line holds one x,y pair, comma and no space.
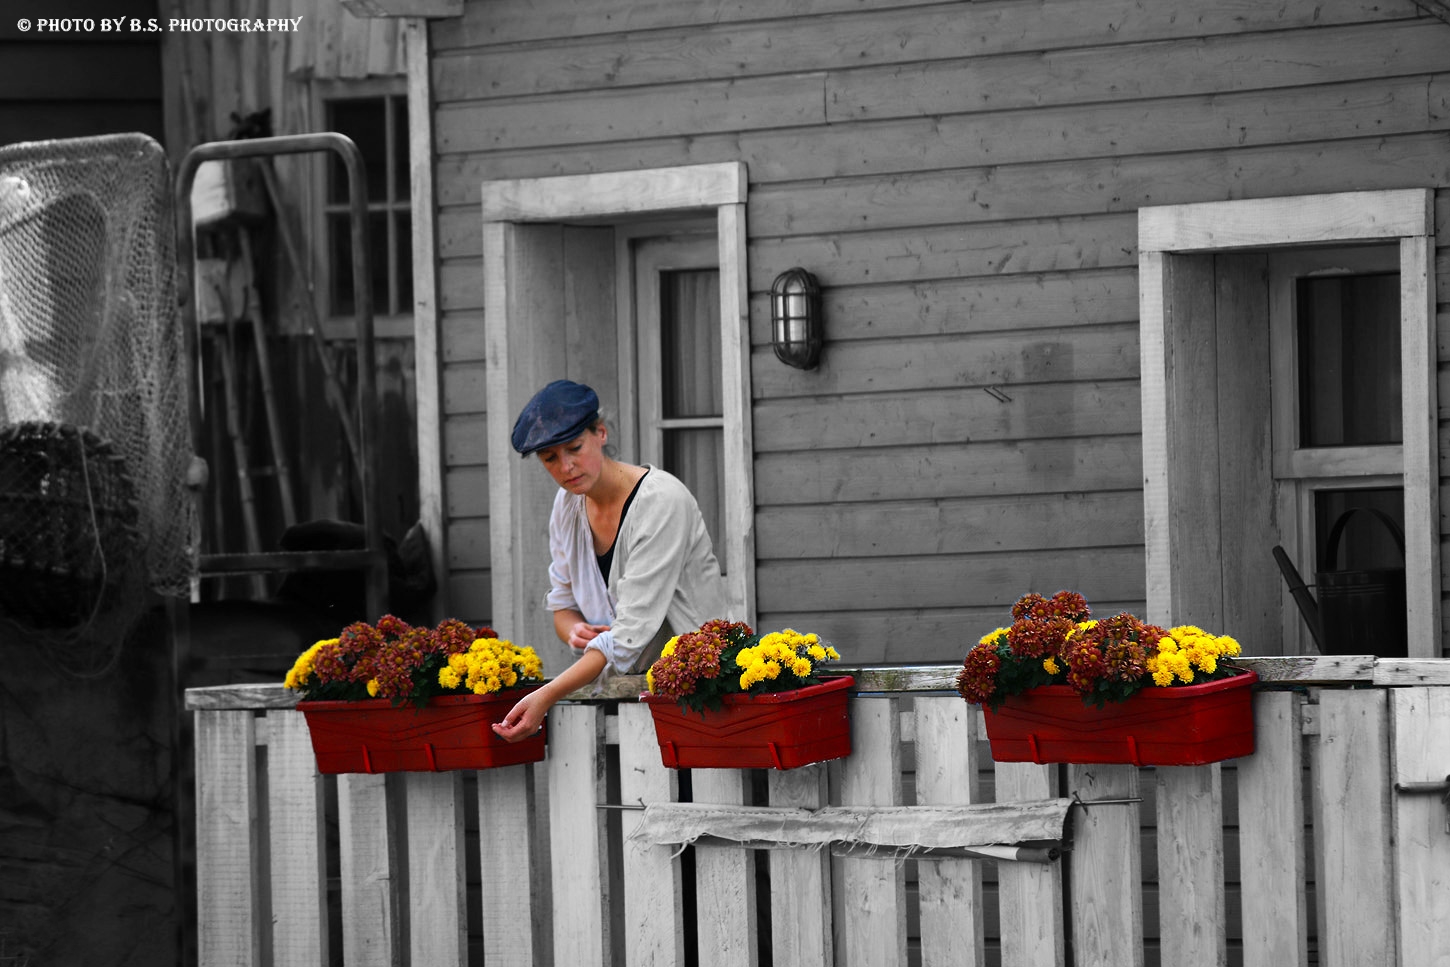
606,560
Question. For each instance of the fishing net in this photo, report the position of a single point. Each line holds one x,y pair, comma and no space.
94,431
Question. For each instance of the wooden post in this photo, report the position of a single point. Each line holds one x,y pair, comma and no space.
1422,824
369,864
437,881
1030,894
295,832
1190,866
507,811
653,912
800,897
874,902
725,881
1271,836
577,844
228,925
1107,879
950,889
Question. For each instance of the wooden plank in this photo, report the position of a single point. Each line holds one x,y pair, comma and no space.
1104,573
1194,514
1250,608
577,843
1088,186
960,251
950,891
1421,728
229,925
737,393
1030,894
437,876
1190,866
465,388
296,838
724,881
1107,880
873,929
949,414
800,908
906,473
508,811
988,359
651,875
1271,836
613,193
1411,671
1261,222
1153,337
404,8
367,847
1353,829
996,523
1180,67
718,47
467,491
1421,441
427,386
468,543
465,440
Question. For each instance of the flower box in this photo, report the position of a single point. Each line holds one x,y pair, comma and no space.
1186,725
449,732
774,730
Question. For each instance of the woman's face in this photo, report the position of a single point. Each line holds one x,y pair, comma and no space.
576,465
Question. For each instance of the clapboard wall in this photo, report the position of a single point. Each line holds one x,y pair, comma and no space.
963,179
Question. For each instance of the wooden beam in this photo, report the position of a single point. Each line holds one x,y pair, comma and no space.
404,8
614,193
1435,8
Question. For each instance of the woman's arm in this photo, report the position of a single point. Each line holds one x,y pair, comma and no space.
573,630
526,717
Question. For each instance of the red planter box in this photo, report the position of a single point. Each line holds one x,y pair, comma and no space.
778,730
450,732
1188,725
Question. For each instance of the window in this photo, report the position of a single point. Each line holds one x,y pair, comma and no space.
1288,350
375,117
1334,316
677,334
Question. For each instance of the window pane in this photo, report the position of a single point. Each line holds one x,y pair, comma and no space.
403,243
1365,542
1349,360
697,457
339,245
400,149
690,343
363,120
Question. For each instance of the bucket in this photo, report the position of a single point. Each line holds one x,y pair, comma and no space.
1362,612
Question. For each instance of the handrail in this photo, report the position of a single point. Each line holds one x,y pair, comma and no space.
1274,672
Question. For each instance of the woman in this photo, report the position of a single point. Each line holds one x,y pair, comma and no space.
631,558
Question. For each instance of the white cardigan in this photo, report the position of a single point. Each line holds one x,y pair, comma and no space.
664,570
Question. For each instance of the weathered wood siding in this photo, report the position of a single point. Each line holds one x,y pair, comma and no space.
963,179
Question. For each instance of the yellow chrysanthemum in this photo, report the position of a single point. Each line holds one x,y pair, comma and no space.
373,687
448,677
1049,665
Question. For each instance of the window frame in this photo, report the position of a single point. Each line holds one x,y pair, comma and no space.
1403,216
386,325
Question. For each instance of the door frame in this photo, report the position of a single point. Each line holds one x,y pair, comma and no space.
518,538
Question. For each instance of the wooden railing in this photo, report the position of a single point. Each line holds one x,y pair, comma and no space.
1331,844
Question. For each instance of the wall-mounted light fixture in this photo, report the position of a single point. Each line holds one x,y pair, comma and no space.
795,318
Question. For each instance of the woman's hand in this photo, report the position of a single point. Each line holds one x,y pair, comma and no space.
581,633
524,719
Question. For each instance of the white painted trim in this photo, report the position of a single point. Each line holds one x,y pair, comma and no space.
427,341
1352,216
651,190
1406,215
739,442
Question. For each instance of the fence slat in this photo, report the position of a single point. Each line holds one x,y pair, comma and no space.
1271,836
1029,894
367,844
950,889
1107,880
299,868
1422,840
873,933
653,913
1190,866
506,816
800,897
725,881
1353,800
228,927
437,878
576,769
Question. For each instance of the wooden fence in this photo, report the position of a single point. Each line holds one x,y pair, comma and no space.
1330,845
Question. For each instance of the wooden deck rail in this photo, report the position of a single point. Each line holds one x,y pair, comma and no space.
1324,844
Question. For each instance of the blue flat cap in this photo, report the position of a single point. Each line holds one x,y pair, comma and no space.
557,414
